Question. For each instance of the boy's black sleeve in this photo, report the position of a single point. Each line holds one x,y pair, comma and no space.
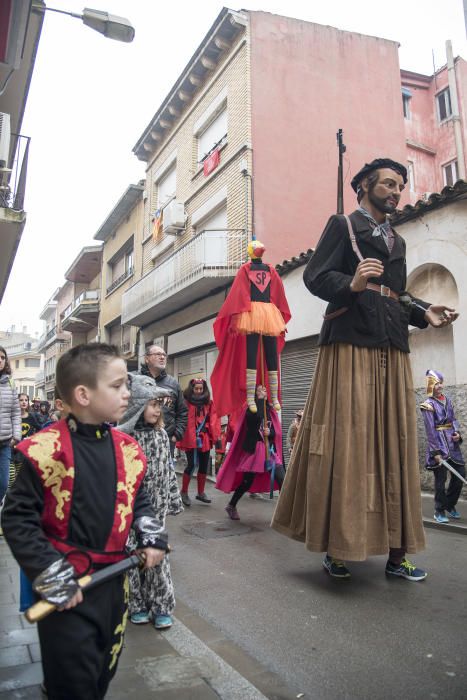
149,531
21,523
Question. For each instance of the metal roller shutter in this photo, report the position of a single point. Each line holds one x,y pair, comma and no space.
298,363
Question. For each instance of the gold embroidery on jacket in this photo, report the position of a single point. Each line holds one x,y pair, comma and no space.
120,629
41,450
133,468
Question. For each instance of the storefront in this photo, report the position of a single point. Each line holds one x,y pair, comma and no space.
298,363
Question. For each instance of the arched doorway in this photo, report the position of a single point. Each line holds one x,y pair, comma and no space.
433,348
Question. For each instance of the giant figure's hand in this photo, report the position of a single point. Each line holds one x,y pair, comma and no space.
439,315
370,267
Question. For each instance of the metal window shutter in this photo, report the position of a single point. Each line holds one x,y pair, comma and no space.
298,363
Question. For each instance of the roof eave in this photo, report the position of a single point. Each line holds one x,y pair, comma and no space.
123,207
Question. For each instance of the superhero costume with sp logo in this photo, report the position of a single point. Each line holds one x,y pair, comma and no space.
255,307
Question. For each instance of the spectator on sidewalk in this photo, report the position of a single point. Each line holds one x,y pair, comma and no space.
174,407
202,431
152,591
10,420
443,443
293,430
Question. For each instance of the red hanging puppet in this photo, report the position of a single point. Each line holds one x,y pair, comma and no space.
255,309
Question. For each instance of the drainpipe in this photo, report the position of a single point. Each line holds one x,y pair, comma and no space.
456,120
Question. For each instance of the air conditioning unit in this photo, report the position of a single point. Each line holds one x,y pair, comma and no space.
4,139
174,218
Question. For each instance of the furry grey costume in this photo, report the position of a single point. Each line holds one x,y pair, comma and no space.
143,389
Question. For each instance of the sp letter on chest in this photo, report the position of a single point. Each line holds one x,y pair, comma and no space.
260,278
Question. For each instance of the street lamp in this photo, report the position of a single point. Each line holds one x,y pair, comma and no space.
111,26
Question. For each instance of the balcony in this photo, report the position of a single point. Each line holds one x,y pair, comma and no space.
209,260
82,315
12,214
54,335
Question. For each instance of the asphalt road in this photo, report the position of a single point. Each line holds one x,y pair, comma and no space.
370,637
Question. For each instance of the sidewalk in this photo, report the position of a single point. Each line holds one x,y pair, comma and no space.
191,661
458,526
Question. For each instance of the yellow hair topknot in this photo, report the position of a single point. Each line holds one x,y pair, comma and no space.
256,249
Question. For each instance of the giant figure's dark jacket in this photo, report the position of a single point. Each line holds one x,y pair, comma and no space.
372,320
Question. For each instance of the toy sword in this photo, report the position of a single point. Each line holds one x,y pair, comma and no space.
451,469
43,608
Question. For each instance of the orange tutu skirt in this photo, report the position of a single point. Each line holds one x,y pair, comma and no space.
263,318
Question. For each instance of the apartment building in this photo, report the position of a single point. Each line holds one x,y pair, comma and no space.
25,360
71,316
79,297
20,30
122,256
246,140
435,118
53,342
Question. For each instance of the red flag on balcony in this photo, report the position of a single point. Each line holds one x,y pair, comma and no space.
157,224
211,162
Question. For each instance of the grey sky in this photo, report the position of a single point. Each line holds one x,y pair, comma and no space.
91,98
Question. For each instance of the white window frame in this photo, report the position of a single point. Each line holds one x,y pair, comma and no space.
452,168
406,107
214,135
215,114
447,103
167,186
411,175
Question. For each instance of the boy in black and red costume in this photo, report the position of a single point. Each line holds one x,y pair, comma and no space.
71,507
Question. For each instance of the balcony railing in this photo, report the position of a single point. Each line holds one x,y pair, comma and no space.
120,280
13,183
90,295
210,254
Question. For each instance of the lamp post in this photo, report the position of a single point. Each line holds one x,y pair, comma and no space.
111,26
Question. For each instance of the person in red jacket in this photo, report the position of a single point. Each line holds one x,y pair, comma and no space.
202,431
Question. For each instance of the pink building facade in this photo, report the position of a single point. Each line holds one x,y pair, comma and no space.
307,81
434,158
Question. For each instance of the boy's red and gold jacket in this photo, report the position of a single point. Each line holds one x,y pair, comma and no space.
83,493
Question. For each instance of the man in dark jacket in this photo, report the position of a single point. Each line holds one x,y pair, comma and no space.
174,409
352,488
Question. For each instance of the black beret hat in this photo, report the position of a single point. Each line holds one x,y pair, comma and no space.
376,165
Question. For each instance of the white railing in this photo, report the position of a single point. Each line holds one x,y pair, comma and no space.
88,295
208,254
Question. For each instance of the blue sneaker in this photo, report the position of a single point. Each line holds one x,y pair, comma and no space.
140,618
406,570
335,567
162,622
441,517
453,513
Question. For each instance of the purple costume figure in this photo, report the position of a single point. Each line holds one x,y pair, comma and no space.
443,442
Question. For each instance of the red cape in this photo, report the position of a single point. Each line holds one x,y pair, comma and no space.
228,378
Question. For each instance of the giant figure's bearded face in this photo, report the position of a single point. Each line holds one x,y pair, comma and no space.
385,193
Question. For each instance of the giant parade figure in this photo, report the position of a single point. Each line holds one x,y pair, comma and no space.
250,333
352,487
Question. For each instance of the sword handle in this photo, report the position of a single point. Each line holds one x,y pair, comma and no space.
43,608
